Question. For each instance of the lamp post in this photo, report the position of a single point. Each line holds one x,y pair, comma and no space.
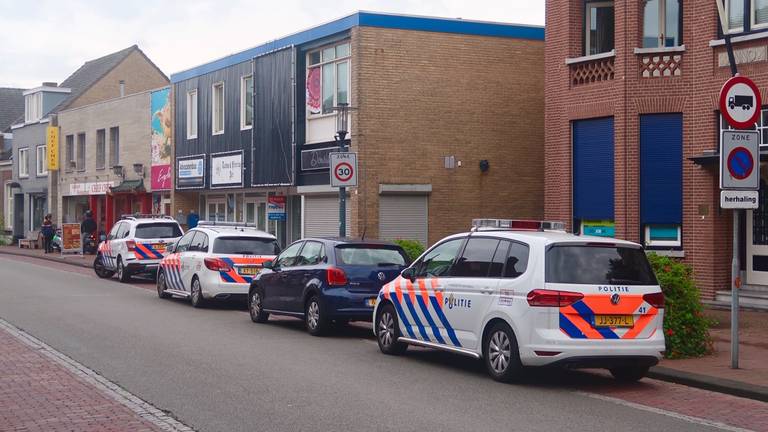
342,129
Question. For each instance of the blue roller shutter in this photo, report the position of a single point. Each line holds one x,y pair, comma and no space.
661,169
593,169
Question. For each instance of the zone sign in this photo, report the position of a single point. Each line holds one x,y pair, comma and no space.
343,169
740,102
740,160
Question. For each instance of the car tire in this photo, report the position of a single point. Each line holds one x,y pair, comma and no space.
315,317
122,273
196,294
388,331
255,307
161,285
501,354
629,373
101,271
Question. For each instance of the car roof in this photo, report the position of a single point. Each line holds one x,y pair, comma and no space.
230,230
544,238
349,240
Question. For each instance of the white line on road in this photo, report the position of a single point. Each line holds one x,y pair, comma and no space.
143,409
689,419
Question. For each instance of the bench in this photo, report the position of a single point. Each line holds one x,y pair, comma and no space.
32,241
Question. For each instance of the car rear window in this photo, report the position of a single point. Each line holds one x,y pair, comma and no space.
598,265
246,246
157,230
370,255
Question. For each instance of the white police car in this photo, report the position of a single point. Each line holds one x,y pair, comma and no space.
135,245
525,293
215,261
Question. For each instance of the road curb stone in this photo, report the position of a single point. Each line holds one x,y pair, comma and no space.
706,382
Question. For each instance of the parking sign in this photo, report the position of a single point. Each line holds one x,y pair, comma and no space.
343,169
740,160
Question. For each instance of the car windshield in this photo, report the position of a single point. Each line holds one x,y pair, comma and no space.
246,246
598,264
368,255
158,230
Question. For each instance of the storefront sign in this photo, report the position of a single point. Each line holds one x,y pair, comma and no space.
603,228
161,177
190,172
95,188
52,143
276,207
733,199
316,159
227,170
161,139
70,237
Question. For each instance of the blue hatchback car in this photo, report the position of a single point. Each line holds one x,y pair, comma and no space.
325,281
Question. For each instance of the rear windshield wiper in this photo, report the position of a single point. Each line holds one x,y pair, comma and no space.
385,264
625,281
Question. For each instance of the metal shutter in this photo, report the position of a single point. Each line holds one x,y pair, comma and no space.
661,169
321,216
593,169
403,217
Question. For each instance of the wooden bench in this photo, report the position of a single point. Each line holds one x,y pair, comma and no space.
32,241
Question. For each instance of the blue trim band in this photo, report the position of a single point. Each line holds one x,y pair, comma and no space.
419,325
444,320
425,310
402,316
570,329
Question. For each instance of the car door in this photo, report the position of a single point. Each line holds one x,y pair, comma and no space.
118,246
107,258
175,264
304,269
273,283
195,256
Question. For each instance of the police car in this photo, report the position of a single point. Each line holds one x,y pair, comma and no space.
525,293
215,261
135,245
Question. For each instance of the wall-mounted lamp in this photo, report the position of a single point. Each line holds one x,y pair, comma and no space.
485,165
138,168
119,171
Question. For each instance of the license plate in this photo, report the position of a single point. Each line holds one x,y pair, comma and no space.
614,321
249,270
371,302
160,247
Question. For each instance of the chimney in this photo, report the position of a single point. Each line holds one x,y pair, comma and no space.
50,84
122,88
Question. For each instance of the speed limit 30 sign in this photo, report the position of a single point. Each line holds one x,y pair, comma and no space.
343,169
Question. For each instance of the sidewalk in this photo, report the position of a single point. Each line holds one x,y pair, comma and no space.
714,372
74,259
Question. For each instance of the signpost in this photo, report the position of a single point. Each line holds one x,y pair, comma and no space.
343,175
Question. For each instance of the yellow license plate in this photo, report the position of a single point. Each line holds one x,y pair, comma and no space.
614,321
160,247
249,270
371,302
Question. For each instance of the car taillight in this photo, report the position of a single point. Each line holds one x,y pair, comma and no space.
655,299
131,245
217,264
336,277
552,298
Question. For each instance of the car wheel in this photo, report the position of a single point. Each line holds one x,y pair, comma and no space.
255,307
629,373
101,271
388,331
196,294
500,353
161,285
122,272
314,317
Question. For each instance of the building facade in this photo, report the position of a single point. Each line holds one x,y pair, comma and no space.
447,122
11,108
633,128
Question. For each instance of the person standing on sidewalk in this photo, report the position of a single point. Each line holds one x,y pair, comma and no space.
87,227
47,232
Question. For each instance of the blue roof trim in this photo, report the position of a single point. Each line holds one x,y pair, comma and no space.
368,19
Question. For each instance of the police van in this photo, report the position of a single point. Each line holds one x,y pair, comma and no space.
215,260
526,293
135,245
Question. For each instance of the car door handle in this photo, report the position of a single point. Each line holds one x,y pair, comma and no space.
486,291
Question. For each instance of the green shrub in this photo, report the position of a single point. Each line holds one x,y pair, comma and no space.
685,327
413,248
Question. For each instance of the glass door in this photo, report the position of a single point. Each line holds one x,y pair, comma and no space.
256,212
216,211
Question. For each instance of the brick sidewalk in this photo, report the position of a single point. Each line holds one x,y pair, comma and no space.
40,392
74,259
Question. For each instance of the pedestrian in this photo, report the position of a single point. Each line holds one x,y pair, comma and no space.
192,219
47,232
87,227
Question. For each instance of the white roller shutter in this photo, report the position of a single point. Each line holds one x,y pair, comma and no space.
321,216
403,217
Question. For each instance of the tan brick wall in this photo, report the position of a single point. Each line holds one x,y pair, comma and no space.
422,96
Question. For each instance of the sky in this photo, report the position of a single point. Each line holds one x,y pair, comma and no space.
47,40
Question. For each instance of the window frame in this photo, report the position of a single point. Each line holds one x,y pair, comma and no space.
33,107
101,149
25,165
593,4
663,243
244,103
335,61
69,152
192,108
41,162
114,146
8,209
214,102
662,25
729,30
753,25
80,156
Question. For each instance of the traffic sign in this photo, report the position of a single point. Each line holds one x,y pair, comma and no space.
343,169
740,160
740,102
730,199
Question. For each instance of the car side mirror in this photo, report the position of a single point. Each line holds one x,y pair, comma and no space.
268,264
409,273
171,247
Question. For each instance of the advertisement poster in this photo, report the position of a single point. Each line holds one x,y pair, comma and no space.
70,237
190,173
160,106
276,207
227,170
313,91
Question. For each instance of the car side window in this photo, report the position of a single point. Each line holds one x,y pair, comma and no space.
476,259
199,243
288,257
517,260
311,254
113,232
121,232
499,259
125,230
185,241
439,260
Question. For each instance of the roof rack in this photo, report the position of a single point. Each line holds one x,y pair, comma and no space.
214,223
516,225
145,216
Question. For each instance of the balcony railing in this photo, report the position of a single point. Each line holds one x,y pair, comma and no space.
660,62
591,69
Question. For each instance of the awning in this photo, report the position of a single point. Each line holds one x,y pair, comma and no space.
712,158
129,186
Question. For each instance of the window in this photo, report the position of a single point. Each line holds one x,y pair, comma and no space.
245,246
759,13
69,155
113,233
217,108
661,23
192,114
761,126
80,166
23,162
33,107
734,9
114,146
8,210
377,256
311,254
199,243
101,149
439,260
184,242
246,102
598,28
158,231
477,257
517,260
598,264
746,15
662,235
288,257
41,160
328,78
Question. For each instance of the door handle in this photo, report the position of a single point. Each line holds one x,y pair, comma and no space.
486,291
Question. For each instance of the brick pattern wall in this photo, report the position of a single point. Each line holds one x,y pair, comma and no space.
423,96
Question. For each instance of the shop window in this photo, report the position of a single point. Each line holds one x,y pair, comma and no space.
69,161
41,160
662,235
661,23
23,162
217,108
80,164
328,72
101,148
598,27
114,146
192,114
246,102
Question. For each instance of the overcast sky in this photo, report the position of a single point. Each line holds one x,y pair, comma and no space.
47,40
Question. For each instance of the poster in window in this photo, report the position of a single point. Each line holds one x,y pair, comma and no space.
313,91
161,139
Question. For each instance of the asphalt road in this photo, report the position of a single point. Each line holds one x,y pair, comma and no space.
215,370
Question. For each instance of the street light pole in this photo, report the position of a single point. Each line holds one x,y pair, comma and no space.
342,128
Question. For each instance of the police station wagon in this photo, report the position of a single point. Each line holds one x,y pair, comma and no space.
525,293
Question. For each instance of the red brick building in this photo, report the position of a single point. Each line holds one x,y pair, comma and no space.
633,128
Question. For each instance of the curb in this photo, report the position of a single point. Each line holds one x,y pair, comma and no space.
45,258
706,382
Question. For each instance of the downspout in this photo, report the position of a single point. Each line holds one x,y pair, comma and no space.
626,122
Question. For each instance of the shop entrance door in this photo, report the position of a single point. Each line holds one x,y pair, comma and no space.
217,211
256,212
757,239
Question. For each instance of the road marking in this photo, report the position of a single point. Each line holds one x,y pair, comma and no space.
687,418
143,409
